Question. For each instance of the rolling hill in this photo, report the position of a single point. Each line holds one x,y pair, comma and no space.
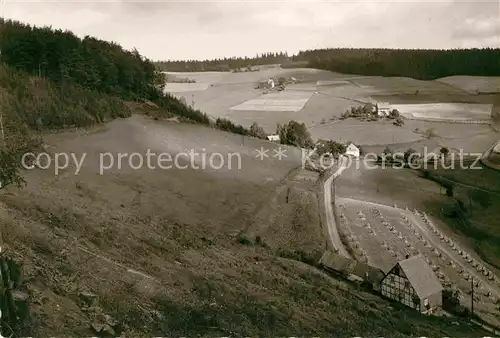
125,248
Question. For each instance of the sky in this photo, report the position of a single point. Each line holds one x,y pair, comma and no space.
180,30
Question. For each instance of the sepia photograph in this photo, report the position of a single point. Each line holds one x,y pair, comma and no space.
249,168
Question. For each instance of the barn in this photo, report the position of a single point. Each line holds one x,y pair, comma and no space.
351,269
383,108
337,263
352,150
413,283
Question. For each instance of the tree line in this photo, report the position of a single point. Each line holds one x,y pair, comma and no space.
63,57
424,64
419,64
53,79
222,64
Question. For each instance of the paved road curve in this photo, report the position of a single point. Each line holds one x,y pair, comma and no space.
330,219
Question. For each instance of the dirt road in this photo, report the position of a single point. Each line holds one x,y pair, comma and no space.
330,219
485,159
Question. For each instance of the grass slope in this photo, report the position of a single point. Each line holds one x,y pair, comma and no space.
478,194
162,254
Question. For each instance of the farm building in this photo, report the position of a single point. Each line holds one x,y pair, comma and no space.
413,283
383,108
273,138
352,150
268,84
351,269
368,274
336,263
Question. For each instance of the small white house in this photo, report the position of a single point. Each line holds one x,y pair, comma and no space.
270,82
352,150
273,138
383,108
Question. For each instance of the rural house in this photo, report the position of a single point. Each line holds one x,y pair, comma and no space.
352,150
383,109
273,138
369,274
334,262
413,283
351,269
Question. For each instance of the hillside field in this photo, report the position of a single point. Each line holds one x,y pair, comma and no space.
232,96
473,84
161,252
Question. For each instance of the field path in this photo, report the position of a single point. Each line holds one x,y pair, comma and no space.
487,154
330,219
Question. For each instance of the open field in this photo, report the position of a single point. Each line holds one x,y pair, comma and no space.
221,78
473,84
334,93
401,85
334,83
471,138
478,194
202,77
364,133
283,101
446,111
387,235
218,100
437,97
404,188
185,87
484,178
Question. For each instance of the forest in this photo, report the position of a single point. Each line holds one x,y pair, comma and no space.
419,64
52,79
62,57
222,65
97,70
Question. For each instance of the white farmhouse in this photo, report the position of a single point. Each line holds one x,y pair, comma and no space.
274,138
352,150
383,109
270,82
